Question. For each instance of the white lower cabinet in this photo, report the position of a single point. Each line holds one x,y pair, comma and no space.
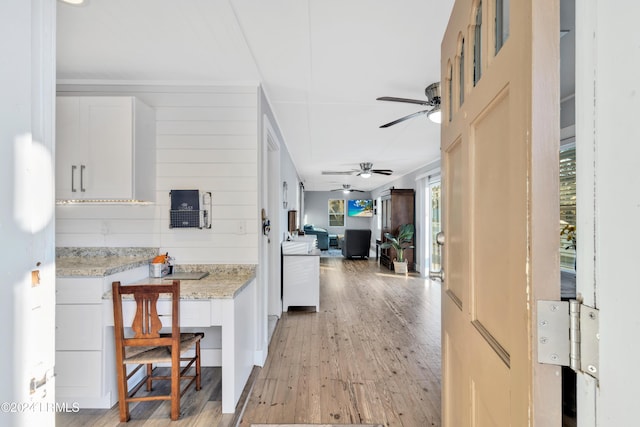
82,326
78,380
85,353
301,280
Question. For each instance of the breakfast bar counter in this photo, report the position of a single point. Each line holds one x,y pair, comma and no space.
226,302
210,287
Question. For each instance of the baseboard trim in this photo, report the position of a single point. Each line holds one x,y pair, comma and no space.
241,406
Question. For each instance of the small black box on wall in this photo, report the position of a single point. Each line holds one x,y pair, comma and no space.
185,209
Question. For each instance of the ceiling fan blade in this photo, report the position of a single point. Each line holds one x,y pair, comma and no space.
382,171
410,101
402,119
338,172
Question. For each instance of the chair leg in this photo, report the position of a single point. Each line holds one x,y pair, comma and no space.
175,386
122,393
149,373
198,370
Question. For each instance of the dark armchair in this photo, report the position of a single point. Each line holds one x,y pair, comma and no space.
321,234
356,243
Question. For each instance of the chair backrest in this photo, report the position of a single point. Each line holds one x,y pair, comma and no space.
360,236
146,323
356,242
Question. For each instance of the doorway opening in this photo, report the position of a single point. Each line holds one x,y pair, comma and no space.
567,190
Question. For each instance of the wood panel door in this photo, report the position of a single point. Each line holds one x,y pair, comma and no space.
499,142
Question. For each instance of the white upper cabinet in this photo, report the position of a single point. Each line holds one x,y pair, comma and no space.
105,148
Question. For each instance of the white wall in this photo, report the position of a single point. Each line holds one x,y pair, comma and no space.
316,211
207,139
289,174
27,46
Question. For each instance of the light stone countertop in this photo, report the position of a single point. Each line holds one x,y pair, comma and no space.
97,266
100,261
223,281
210,287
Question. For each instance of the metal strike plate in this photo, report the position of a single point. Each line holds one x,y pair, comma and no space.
553,332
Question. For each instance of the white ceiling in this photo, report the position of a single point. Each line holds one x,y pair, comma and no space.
322,64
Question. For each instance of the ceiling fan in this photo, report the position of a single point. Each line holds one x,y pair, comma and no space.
365,171
433,100
346,189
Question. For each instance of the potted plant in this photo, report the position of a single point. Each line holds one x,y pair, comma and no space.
400,242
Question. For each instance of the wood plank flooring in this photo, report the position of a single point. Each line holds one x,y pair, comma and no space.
370,356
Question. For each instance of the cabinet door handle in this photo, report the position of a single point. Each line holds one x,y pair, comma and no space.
82,168
73,174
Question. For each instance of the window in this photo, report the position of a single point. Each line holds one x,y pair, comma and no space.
568,207
436,225
502,23
477,46
336,213
461,76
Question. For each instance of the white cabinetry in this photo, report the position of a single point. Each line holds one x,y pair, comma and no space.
105,148
85,354
301,280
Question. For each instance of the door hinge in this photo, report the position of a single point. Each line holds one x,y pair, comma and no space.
568,335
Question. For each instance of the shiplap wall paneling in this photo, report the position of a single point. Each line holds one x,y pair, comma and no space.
206,139
107,225
213,150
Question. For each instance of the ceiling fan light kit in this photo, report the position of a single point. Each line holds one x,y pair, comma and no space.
73,2
346,189
432,93
435,115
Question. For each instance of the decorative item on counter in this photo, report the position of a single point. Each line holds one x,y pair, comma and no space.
160,266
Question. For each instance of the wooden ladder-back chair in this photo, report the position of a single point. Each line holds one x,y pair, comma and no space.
148,346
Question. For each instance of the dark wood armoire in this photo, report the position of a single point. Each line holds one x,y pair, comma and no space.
397,208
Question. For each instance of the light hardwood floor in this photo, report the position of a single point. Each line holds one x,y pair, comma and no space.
371,355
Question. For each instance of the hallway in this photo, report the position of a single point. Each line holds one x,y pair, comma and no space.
371,355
